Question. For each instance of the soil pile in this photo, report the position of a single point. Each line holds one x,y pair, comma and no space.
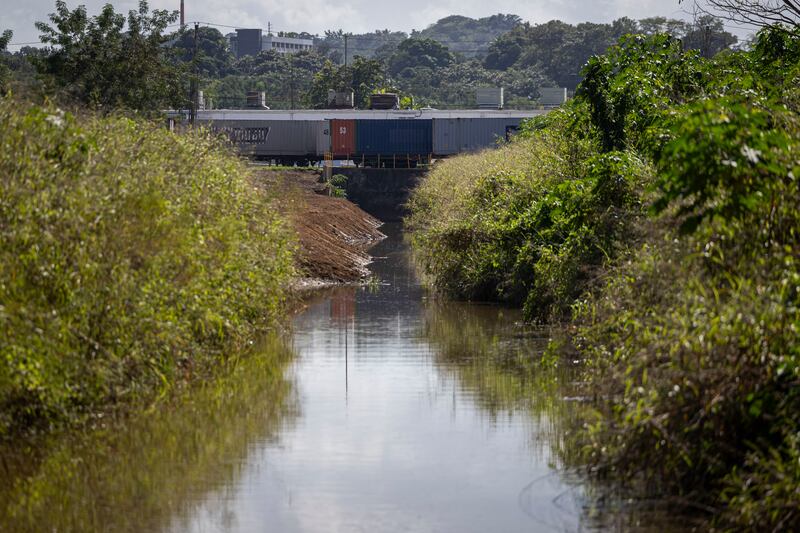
333,233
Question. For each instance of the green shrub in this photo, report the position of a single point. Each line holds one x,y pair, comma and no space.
131,259
695,342
529,222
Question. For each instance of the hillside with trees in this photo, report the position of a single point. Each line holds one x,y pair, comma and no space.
439,66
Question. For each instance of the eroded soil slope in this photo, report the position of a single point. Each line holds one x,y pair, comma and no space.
333,232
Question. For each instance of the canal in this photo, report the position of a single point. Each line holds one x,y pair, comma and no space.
410,418
395,411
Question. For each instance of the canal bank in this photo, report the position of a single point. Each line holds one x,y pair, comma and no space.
392,411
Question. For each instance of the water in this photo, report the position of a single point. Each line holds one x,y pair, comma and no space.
408,422
396,412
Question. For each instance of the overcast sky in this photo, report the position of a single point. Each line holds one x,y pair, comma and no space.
358,16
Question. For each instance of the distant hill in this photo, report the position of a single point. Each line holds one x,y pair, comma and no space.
468,36
367,45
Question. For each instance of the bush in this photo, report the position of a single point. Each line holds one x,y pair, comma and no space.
530,222
132,259
696,341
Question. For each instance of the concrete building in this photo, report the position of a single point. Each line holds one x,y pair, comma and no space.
249,42
285,45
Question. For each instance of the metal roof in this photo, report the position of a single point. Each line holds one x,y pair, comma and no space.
345,114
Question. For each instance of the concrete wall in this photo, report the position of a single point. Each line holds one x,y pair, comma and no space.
381,192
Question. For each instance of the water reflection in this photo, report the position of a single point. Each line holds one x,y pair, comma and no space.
397,412
414,418
144,473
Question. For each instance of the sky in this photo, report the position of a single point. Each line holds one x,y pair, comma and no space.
357,16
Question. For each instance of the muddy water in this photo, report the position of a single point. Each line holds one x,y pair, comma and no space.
414,415
396,412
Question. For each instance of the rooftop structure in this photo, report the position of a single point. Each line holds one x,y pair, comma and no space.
249,42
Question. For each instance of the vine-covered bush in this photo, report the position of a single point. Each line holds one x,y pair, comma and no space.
689,319
131,259
696,341
531,222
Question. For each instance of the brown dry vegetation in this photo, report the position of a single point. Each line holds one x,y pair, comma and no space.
333,233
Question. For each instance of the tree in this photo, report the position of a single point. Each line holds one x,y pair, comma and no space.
5,38
98,62
362,75
755,12
213,57
708,35
467,36
415,53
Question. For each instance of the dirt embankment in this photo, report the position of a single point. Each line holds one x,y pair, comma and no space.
333,233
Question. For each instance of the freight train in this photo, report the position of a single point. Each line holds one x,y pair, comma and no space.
382,138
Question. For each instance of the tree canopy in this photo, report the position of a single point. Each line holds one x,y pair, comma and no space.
110,60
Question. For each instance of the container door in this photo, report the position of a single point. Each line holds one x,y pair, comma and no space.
343,137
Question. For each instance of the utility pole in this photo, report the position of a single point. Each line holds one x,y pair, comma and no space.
183,20
194,77
291,81
345,50
269,28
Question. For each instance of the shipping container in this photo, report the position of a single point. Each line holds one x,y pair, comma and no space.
343,137
457,135
272,138
394,137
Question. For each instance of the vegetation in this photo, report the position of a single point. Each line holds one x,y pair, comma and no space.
131,260
531,222
106,61
5,38
363,76
148,467
466,36
560,50
91,60
658,211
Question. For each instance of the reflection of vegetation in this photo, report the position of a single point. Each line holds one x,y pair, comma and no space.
500,360
136,474
511,368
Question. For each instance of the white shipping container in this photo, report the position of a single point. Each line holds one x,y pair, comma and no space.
457,135
265,138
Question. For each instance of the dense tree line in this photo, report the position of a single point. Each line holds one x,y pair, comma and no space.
110,60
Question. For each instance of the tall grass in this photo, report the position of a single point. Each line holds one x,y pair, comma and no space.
530,222
131,260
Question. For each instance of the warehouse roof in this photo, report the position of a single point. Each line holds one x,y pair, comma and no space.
328,114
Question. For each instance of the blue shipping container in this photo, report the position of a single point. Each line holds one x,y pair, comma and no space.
394,137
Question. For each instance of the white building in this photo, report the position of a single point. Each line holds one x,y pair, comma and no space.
285,45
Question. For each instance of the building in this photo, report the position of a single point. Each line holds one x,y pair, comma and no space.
285,45
249,42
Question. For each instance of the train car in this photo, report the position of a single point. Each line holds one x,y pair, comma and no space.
392,138
286,141
397,137
343,138
458,135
